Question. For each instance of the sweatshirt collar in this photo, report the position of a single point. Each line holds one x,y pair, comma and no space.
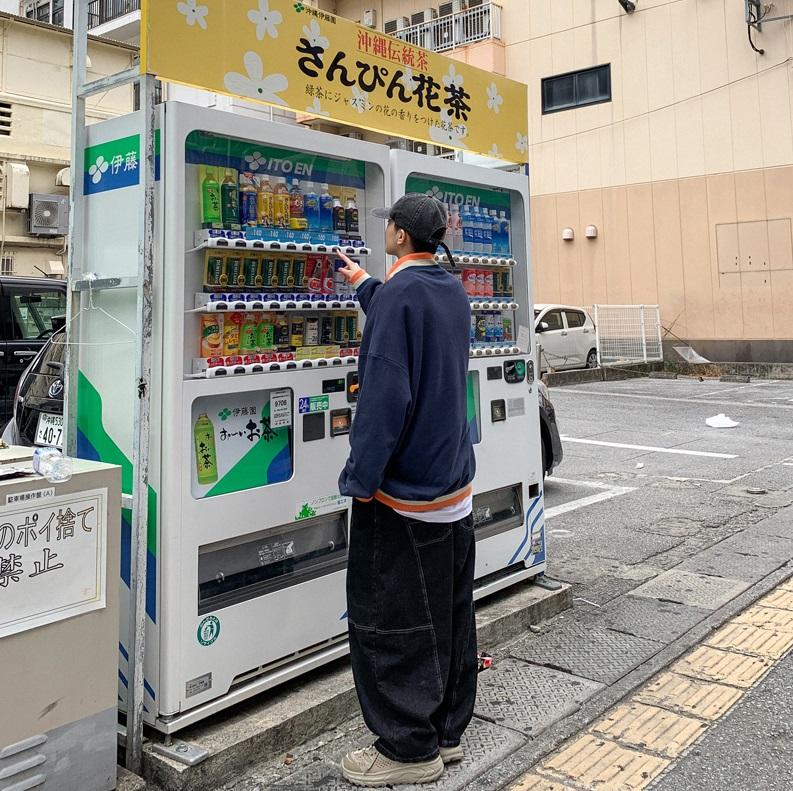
413,259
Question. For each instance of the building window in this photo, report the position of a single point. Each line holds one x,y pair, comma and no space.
576,89
7,265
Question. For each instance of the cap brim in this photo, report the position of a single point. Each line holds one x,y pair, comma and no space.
383,214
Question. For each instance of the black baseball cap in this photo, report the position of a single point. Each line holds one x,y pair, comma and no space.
422,216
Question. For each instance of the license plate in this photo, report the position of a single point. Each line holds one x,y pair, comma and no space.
49,430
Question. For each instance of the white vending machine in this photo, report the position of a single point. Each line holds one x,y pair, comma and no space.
488,233
255,357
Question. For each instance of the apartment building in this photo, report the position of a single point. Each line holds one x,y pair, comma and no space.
35,118
665,133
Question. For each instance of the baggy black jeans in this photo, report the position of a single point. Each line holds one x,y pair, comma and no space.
412,630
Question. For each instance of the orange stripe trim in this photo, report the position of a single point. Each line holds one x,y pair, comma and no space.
417,507
406,259
358,276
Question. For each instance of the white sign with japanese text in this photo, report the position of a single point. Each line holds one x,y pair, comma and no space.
52,560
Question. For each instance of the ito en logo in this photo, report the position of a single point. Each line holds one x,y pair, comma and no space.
208,630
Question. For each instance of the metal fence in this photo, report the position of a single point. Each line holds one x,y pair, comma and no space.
101,11
455,30
628,334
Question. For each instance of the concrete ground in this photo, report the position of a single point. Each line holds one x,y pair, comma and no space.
666,528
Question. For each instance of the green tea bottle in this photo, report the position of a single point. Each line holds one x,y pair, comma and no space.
205,456
230,199
210,198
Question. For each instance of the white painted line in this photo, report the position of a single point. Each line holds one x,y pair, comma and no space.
586,484
582,502
650,448
562,391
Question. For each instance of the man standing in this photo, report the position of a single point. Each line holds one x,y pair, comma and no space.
411,560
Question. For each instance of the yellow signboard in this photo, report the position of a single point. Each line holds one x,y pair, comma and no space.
287,53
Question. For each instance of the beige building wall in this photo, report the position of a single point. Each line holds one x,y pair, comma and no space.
35,80
687,172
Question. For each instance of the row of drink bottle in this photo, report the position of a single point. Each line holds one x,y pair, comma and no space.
490,327
478,230
229,334
249,200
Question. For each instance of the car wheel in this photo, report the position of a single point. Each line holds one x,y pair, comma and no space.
592,359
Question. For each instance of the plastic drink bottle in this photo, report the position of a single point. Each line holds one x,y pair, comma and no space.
506,245
339,216
476,221
229,199
487,233
248,200
468,230
296,201
264,202
311,207
351,223
281,203
495,228
325,210
210,198
205,456
456,239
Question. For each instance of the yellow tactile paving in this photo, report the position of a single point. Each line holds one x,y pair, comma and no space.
788,586
651,728
538,783
711,664
781,598
592,762
750,639
705,699
768,618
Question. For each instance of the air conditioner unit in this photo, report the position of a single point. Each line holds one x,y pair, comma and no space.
454,7
17,185
369,17
422,17
391,26
48,215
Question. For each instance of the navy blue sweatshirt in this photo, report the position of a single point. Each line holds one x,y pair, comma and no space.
410,446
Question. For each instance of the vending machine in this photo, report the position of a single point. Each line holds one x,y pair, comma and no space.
488,234
255,342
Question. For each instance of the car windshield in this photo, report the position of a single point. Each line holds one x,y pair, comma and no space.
536,312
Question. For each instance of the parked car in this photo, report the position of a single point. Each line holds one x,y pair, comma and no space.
31,308
37,418
549,432
567,337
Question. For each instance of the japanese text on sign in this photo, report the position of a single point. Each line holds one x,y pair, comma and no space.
52,560
290,54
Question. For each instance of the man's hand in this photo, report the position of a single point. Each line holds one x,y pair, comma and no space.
351,268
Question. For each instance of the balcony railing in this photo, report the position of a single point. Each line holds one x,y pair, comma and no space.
455,30
101,11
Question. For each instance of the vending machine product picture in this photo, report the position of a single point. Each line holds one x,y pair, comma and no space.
254,390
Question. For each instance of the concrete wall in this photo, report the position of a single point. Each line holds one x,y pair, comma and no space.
35,79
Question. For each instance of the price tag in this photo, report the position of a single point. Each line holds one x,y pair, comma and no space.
280,408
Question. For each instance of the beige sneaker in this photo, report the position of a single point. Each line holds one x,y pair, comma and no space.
369,767
451,755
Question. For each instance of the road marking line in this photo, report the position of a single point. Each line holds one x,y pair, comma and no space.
638,740
650,448
583,502
585,484
716,402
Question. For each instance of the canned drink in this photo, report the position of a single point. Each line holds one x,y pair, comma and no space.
490,328
214,271
489,286
506,323
469,282
327,276
480,283
498,329
299,273
340,329
352,327
234,271
311,337
269,278
313,273
325,330
297,331
251,272
283,270
481,328
281,331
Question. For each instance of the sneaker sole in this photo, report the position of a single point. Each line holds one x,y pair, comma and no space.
455,755
405,776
